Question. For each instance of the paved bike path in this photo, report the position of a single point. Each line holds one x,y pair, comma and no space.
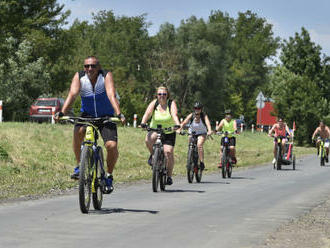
237,212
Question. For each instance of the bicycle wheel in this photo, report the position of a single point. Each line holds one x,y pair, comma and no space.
155,169
198,171
97,187
85,178
163,174
278,159
322,160
224,164
229,168
190,171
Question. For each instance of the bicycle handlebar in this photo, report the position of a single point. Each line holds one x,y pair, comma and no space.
88,120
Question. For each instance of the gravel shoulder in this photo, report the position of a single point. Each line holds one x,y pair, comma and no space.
311,230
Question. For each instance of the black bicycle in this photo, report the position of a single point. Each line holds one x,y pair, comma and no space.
226,160
91,166
193,167
279,153
159,161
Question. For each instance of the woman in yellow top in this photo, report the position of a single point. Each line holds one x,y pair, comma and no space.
229,125
163,112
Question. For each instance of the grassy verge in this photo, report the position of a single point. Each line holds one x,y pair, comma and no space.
37,158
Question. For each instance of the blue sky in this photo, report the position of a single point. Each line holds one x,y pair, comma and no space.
287,16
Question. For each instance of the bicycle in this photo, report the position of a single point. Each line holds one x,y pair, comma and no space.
159,161
279,158
322,151
226,160
193,167
91,166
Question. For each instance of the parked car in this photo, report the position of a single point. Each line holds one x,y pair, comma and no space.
41,110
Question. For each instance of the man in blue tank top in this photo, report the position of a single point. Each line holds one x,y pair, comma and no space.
98,99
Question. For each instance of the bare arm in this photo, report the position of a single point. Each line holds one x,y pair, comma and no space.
73,93
111,92
208,125
315,132
271,130
235,126
287,129
185,122
220,125
149,111
174,113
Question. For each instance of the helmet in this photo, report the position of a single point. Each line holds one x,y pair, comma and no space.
198,105
227,112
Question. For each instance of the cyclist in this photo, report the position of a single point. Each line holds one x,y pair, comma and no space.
98,99
228,125
200,123
323,132
162,111
280,129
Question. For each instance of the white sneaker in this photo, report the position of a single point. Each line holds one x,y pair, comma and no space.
274,161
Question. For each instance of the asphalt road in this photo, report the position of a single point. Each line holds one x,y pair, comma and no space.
237,212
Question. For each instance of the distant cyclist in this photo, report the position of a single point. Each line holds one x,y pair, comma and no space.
280,129
228,125
200,123
98,99
323,132
162,111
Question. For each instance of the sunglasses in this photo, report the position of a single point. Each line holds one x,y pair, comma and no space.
197,108
162,94
93,66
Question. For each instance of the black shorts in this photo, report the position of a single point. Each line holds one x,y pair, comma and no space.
169,139
232,141
108,130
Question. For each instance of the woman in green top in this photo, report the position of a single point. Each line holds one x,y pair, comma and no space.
163,112
229,125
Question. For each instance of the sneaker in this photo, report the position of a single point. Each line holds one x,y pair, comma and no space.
202,165
150,160
169,181
75,174
108,184
219,165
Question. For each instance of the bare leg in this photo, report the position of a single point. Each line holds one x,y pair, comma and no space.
78,138
112,154
169,154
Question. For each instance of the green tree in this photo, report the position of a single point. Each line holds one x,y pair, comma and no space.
298,98
253,42
22,79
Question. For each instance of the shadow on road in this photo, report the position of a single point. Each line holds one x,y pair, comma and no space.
183,191
206,182
247,178
121,210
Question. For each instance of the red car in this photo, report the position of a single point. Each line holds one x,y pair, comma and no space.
42,109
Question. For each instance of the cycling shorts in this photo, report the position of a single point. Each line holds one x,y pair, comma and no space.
108,130
232,141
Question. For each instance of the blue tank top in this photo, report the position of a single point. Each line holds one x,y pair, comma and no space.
94,102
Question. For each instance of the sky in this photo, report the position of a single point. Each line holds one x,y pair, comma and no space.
286,16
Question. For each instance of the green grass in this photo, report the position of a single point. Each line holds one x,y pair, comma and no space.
38,158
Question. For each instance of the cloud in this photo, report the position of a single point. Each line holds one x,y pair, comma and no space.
322,39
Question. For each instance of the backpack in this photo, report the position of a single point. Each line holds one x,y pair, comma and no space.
202,118
169,103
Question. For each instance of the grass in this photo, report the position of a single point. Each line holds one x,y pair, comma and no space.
38,158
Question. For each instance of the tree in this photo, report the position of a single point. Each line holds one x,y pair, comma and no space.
252,44
298,98
22,79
